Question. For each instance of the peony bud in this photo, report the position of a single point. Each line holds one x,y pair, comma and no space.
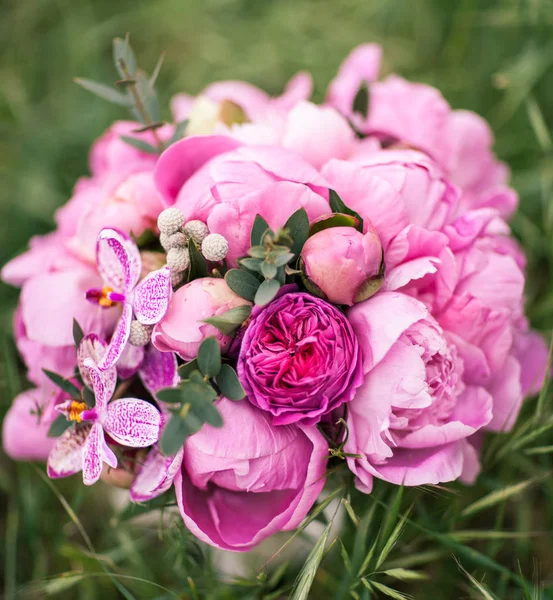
343,265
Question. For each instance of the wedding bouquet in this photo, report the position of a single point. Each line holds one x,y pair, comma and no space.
268,291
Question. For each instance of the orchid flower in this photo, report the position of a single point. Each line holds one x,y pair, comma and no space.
128,421
119,264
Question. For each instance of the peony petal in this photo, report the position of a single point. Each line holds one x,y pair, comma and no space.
66,457
159,370
92,455
118,260
118,340
155,476
130,361
133,422
152,295
94,347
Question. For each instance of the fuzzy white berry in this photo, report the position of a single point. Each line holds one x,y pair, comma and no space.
197,230
214,247
170,221
140,334
178,259
176,240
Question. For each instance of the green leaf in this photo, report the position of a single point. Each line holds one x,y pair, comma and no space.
242,283
62,383
198,266
59,426
209,357
175,433
337,205
259,228
252,264
283,259
388,591
157,69
229,322
187,368
497,497
78,333
406,574
104,91
298,228
147,95
258,252
180,128
88,397
266,292
268,270
140,145
122,51
334,220
303,583
391,541
229,384
361,100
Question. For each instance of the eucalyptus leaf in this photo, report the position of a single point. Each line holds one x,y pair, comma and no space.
242,283
209,357
62,383
179,131
283,259
78,333
337,205
257,252
147,95
252,264
122,52
266,292
229,322
229,384
175,433
268,269
187,368
59,426
104,91
156,70
260,226
298,228
140,145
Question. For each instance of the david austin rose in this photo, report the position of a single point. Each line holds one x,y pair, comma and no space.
248,480
411,419
183,329
341,262
299,359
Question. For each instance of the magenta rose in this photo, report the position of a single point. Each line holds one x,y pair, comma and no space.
299,359
248,480
183,329
412,417
341,262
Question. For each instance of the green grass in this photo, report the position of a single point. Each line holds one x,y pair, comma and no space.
494,57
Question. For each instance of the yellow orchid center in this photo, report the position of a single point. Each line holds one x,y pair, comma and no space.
75,410
104,300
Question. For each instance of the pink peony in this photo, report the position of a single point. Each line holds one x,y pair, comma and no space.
341,262
299,359
248,480
182,329
212,179
411,418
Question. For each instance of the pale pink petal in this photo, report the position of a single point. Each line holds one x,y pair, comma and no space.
118,340
471,463
94,347
298,88
100,386
92,455
118,260
130,361
159,370
66,457
507,395
152,295
133,422
156,475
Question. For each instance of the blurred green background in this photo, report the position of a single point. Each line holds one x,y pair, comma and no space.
493,57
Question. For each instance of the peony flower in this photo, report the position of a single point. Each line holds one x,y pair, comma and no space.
342,263
299,359
119,264
128,421
248,480
183,329
27,422
410,419
212,179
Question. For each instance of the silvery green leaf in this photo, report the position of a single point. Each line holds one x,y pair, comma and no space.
209,357
229,384
229,322
140,145
243,283
180,129
268,269
104,91
122,52
187,368
157,69
266,292
59,426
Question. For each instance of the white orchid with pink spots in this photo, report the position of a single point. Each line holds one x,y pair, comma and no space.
119,264
128,421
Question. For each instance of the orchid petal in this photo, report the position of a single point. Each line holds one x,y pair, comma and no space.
118,340
156,475
133,422
130,361
94,347
159,370
66,457
152,295
118,260
92,455
99,385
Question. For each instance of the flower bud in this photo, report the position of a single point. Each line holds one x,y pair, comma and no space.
140,334
170,221
343,265
175,240
197,230
214,247
178,259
